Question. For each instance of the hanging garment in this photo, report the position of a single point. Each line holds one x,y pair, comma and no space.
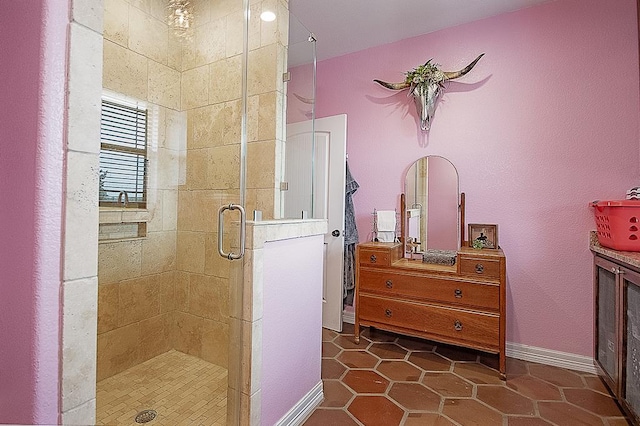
350,238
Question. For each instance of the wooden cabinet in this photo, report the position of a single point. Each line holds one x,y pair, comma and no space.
461,305
617,329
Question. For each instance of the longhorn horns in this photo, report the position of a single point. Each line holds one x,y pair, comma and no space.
448,75
463,71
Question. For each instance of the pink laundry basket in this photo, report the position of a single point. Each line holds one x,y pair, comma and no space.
618,224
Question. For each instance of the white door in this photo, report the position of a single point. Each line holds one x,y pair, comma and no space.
327,200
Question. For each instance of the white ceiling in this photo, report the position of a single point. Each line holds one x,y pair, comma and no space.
345,26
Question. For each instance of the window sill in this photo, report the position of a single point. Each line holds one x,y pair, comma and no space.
123,215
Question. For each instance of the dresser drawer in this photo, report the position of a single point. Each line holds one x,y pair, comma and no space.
480,267
455,324
375,257
429,288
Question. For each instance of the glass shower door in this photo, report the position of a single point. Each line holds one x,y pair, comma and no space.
247,87
212,191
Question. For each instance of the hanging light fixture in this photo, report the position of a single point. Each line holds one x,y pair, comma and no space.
268,16
180,18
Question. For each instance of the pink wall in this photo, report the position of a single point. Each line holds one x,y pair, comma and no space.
300,84
292,323
546,122
32,82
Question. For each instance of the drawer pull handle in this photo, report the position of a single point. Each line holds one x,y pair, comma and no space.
458,293
389,284
388,313
479,268
373,258
457,325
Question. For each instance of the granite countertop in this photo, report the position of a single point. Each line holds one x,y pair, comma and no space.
629,257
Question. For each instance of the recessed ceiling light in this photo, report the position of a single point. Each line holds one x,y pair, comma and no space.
268,16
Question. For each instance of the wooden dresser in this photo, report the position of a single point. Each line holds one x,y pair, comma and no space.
461,305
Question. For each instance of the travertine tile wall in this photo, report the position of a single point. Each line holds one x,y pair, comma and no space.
211,97
137,277
265,111
79,300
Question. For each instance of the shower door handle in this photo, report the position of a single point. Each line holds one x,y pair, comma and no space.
243,226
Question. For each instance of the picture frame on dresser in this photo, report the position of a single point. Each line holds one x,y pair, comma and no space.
483,236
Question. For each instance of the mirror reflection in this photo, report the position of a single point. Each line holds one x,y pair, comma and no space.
432,201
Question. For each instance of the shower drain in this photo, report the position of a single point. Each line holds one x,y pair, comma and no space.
145,416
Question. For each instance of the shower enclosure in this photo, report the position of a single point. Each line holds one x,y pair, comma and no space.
213,97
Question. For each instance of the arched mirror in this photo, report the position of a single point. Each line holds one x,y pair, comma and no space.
432,204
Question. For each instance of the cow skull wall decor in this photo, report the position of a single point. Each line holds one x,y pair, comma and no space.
425,84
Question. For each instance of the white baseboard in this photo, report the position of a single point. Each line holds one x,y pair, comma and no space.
303,409
349,317
550,357
530,353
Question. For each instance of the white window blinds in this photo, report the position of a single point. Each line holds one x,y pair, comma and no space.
123,155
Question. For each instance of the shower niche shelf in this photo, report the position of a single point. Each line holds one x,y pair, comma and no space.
118,224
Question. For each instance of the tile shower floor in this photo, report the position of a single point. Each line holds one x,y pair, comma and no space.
182,389
390,380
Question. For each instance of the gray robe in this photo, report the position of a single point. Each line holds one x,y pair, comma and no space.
350,238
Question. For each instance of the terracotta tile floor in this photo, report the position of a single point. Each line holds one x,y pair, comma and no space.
182,389
391,380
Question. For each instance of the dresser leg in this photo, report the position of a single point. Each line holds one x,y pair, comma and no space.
503,366
356,333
